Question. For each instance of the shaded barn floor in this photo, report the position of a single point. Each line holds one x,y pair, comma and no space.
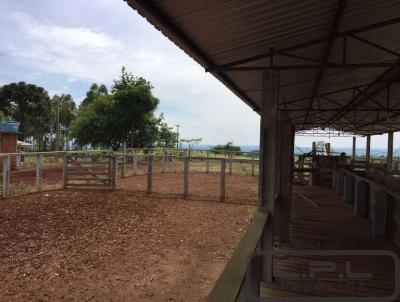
322,221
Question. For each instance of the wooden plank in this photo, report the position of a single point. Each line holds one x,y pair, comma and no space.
228,285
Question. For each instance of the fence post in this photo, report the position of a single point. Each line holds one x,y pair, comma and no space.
149,174
208,162
123,165
164,160
252,166
135,160
39,173
6,176
65,170
185,177
230,165
114,169
222,183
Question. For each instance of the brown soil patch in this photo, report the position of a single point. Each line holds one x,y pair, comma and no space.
114,246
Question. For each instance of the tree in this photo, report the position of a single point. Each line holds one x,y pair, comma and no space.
110,120
227,147
65,107
191,141
28,104
94,92
166,135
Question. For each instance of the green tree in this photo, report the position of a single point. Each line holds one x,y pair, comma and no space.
28,104
65,107
111,120
94,92
227,147
166,135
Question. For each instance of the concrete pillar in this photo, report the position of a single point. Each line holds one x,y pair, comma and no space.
389,161
368,151
381,220
353,154
283,205
268,162
348,193
361,199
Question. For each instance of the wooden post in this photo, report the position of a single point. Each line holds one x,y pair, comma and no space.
123,165
389,161
135,164
368,150
114,172
208,162
39,173
381,221
185,177
222,182
164,160
230,163
252,166
6,176
353,154
348,193
65,170
149,174
268,158
361,199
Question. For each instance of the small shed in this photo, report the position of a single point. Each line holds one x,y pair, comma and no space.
8,141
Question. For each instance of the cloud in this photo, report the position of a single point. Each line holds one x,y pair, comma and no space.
83,53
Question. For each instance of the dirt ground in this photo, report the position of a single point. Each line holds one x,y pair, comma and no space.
73,245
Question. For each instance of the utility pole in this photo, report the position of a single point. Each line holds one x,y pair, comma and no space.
177,136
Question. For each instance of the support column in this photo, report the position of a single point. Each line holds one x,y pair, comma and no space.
368,150
268,163
353,154
283,205
389,161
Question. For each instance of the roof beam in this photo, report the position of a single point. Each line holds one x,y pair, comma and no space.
157,17
312,66
350,105
305,44
327,53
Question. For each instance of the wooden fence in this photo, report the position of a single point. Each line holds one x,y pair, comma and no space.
101,168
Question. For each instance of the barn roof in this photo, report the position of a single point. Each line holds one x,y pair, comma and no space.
339,61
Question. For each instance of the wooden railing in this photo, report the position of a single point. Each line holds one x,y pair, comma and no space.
230,283
120,164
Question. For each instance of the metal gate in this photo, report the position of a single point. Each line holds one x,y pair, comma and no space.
90,172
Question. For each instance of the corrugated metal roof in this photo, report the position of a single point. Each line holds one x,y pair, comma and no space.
233,34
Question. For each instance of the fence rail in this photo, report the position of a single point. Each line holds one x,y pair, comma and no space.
82,168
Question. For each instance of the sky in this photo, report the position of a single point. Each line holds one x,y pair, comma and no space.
64,46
